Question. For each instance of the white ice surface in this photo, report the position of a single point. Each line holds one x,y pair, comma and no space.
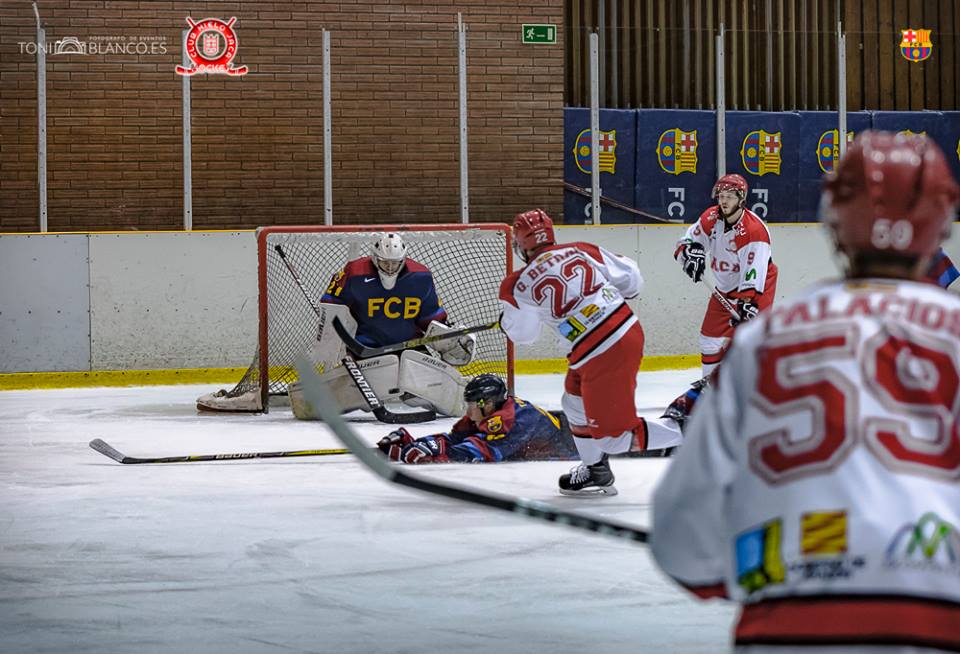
309,554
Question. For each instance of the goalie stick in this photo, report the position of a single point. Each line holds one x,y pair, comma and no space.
319,397
382,413
363,351
108,450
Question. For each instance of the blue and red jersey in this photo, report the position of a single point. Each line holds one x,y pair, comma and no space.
517,431
941,272
385,317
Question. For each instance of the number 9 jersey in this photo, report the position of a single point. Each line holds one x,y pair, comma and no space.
819,479
578,289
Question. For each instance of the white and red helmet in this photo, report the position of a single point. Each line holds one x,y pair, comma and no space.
533,230
892,194
731,182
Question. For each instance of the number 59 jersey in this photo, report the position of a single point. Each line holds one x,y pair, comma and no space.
819,479
578,289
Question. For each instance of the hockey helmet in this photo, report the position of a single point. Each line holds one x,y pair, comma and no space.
891,194
389,254
532,230
731,182
485,389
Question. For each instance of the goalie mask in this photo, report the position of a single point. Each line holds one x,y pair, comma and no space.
389,254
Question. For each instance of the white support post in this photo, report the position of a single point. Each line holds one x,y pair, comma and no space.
462,70
721,109
842,88
187,143
41,119
327,135
595,128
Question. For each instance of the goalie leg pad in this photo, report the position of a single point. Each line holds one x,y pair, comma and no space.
326,348
381,372
433,380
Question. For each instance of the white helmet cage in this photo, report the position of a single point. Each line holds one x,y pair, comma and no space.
389,254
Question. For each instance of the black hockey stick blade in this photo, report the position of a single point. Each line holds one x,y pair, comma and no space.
320,399
365,352
382,413
108,450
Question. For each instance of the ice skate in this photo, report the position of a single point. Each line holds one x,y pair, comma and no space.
584,480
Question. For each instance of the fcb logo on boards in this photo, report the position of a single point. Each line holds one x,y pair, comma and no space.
760,152
607,156
828,149
915,44
677,151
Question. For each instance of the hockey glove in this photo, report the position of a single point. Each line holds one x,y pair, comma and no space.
429,449
693,258
392,444
747,309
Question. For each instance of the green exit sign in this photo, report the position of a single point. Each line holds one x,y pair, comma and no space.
539,33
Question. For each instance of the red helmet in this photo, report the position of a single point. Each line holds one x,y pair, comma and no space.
533,229
891,193
732,182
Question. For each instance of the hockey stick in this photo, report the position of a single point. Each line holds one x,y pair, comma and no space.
370,397
722,299
356,375
319,397
617,205
360,350
108,450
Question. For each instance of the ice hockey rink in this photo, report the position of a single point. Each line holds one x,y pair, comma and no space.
309,554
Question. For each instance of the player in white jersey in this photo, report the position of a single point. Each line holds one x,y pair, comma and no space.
739,246
819,480
579,290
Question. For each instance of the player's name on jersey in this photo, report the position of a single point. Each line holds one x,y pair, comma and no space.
882,303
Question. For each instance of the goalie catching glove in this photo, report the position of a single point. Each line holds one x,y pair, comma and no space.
457,351
399,445
693,257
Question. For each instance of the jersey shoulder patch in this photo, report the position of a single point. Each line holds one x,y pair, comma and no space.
750,229
708,219
416,267
361,266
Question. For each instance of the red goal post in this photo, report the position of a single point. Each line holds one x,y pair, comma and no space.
467,261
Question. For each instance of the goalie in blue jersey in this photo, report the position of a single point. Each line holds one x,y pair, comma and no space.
387,298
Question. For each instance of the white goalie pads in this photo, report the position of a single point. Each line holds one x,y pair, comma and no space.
381,372
434,384
457,351
433,380
325,350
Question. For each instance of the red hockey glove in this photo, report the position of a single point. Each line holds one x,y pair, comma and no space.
429,449
392,444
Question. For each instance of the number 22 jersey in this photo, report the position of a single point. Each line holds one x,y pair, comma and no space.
578,289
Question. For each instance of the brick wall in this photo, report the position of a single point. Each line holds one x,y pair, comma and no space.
114,120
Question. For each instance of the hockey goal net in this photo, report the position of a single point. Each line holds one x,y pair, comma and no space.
467,261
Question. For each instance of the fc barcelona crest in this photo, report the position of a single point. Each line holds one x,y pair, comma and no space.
828,149
915,45
677,151
760,152
608,151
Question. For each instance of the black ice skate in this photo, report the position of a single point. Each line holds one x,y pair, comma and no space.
596,479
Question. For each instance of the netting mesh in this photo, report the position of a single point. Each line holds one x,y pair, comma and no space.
467,266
